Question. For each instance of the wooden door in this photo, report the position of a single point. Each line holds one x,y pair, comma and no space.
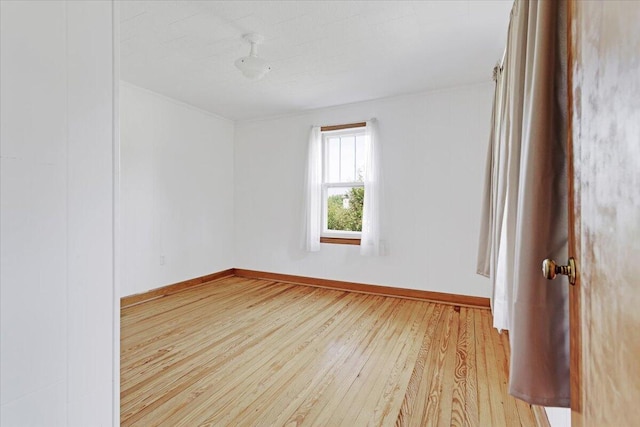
604,147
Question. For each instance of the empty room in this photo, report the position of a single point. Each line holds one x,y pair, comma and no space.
322,213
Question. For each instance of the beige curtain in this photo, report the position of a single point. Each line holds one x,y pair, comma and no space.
525,206
491,253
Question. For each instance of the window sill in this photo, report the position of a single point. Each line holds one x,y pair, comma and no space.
340,240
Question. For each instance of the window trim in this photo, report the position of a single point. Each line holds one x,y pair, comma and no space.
343,127
340,240
337,236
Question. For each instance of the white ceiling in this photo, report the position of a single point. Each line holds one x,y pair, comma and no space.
322,53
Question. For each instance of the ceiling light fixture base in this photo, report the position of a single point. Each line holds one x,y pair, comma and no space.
253,38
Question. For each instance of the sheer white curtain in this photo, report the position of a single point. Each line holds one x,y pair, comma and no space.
371,239
313,193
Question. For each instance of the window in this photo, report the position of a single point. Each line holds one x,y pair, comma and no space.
342,191
343,162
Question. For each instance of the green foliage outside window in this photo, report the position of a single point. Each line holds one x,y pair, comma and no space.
349,219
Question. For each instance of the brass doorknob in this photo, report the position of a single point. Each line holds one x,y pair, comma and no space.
550,269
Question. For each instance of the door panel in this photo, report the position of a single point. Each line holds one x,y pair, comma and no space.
605,135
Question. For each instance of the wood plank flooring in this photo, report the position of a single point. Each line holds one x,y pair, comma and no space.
243,352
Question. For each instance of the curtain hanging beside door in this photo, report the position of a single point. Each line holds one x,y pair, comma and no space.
525,205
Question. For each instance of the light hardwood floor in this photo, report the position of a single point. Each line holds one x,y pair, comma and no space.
245,352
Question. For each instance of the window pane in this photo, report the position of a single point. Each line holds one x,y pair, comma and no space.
360,158
344,208
333,160
347,159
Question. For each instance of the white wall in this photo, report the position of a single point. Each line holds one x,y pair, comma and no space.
177,191
57,214
433,147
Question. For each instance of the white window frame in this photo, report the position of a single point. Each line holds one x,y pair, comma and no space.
336,234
